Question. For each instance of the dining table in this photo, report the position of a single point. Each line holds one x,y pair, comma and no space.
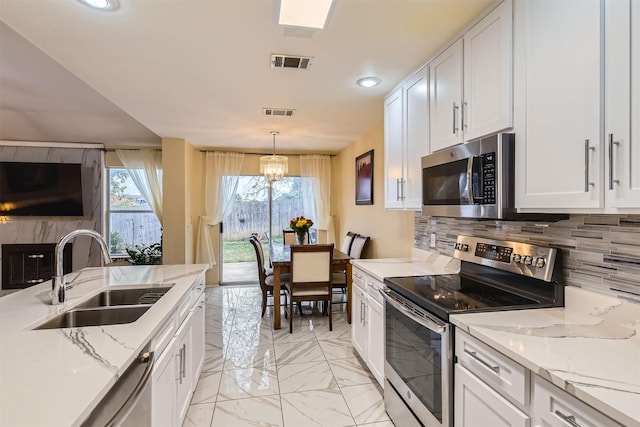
281,261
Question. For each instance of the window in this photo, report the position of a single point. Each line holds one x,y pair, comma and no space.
131,221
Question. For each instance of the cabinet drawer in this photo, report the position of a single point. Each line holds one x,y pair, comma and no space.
162,339
553,406
359,278
503,374
373,287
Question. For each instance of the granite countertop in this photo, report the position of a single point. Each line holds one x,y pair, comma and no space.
55,377
420,265
590,347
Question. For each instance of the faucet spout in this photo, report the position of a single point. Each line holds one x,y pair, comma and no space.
58,284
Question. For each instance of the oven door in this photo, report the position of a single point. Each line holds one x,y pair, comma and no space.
418,363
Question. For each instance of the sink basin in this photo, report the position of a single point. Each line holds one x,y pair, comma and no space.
96,317
135,296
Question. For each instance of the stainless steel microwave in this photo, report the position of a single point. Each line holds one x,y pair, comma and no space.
472,180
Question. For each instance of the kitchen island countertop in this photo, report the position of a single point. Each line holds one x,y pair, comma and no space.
55,377
589,348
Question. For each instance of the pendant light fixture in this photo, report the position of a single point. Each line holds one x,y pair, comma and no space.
274,167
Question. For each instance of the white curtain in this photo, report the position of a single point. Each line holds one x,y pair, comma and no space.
145,169
221,174
317,192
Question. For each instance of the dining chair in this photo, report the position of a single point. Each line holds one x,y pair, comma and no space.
355,251
346,242
265,279
311,278
288,237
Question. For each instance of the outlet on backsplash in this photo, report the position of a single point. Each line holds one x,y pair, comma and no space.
432,242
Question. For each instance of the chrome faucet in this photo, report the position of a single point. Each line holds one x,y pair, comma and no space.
58,284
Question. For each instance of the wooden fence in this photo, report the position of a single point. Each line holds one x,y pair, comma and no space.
253,217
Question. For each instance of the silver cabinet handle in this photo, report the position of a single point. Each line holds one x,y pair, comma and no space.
569,419
464,115
38,281
398,189
455,109
364,322
473,354
361,310
35,256
357,275
184,361
587,150
402,181
612,143
135,396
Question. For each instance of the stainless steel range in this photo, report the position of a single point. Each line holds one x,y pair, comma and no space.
494,275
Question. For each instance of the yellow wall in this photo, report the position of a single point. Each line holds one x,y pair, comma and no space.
391,232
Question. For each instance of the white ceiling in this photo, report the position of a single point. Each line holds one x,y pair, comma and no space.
200,70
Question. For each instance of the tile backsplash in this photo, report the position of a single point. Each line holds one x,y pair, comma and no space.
599,252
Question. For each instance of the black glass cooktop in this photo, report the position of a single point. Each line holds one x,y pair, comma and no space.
448,294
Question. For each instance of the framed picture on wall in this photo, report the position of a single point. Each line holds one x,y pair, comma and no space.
364,179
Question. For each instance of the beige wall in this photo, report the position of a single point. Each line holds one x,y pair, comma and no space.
391,232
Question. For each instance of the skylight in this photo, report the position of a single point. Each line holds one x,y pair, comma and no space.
304,13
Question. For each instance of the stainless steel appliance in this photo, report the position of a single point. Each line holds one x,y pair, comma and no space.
494,275
128,403
472,180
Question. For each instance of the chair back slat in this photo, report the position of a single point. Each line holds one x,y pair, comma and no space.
357,247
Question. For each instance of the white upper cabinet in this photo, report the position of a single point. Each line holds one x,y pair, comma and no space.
471,82
446,98
488,75
622,108
573,106
406,118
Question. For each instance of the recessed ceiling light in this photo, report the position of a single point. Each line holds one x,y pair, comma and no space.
309,13
101,4
369,81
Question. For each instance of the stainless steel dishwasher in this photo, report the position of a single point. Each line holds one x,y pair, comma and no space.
128,403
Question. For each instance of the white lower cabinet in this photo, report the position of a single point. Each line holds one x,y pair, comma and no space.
477,404
367,322
492,390
178,363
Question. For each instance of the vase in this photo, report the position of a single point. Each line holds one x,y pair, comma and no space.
301,238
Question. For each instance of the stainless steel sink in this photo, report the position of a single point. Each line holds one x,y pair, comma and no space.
114,297
96,317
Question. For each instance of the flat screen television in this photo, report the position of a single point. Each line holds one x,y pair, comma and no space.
40,189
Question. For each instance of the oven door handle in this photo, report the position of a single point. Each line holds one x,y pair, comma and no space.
434,325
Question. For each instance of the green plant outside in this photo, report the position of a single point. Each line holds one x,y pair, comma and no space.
242,251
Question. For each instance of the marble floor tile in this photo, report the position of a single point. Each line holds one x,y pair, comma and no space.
249,382
300,352
341,331
302,332
379,424
213,359
365,402
316,408
256,334
350,371
305,376
240,356
337,349
256,411
199,415
207,388
215,340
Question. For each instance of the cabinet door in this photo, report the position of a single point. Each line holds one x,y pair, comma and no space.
446,98
197,340
163,389
375,329
477,405
488,59
622,109
358,322
557,73
183,368
416,95
393,150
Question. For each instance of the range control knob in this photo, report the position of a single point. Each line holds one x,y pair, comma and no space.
457,246
540,262
465,248
516,258
528,260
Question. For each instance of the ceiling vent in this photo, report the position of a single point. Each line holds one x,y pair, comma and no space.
281,112
289,61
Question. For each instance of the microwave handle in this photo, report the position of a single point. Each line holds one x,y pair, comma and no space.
470,179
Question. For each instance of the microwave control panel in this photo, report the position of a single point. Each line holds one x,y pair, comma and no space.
489,179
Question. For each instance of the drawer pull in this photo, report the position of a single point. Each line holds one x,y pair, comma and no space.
569,419
35,256
35,281
473,354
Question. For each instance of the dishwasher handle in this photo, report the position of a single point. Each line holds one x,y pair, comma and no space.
132,401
